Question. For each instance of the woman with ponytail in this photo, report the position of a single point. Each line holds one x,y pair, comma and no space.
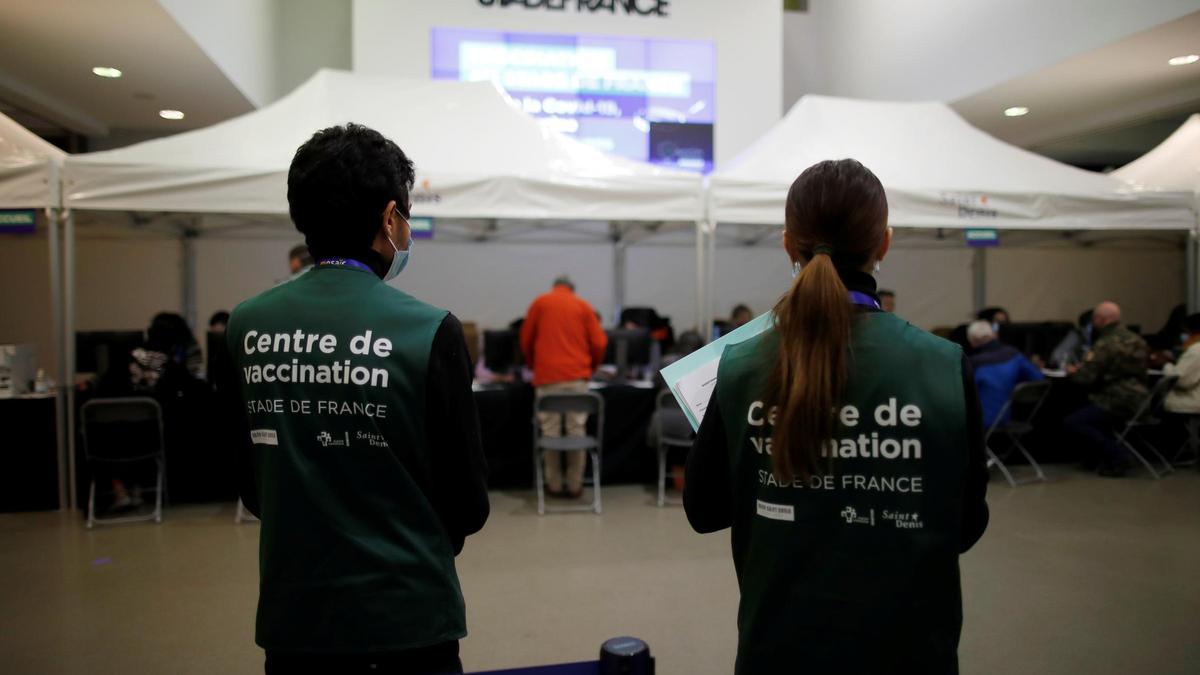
845,450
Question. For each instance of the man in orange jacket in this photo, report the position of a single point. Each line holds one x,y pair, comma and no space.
564,344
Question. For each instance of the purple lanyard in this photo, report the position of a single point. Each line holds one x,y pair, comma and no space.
864,300
345,262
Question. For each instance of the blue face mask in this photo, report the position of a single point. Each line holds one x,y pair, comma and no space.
400,259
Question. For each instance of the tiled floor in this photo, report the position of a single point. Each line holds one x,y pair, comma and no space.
1082,575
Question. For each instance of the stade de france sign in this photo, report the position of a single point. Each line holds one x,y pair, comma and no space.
657,8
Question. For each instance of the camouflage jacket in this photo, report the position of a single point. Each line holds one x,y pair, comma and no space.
1115,371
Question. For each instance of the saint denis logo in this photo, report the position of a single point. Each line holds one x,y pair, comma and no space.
326,439
850,515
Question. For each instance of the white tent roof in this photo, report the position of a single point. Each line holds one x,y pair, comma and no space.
938,171
28,168
1173,165
475,156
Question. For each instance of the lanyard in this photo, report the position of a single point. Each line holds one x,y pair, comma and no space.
345,262
864,299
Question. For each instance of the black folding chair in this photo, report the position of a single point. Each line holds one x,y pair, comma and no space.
672,430
1189,453
563,404
1027,398
1149,414
123,432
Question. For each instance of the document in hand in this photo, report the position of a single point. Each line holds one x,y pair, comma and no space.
692,378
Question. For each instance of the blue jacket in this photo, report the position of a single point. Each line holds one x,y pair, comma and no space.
999,368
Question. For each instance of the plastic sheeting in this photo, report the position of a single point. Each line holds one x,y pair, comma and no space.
475,156
28,168
938,171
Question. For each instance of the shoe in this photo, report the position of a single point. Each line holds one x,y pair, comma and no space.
556,494
574,494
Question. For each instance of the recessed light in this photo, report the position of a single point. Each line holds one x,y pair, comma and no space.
1016,111
1184,60
106,71
171,114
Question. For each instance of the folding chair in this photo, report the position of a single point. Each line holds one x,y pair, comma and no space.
123,432
1148,416
1027,398
673,430
590,403
1189,452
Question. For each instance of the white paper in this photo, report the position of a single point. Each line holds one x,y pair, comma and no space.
692,378
696,388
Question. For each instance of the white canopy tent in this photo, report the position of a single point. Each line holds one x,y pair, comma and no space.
29,179
476,158
1173,165
939,173
29,168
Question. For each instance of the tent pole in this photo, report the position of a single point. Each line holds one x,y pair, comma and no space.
189,276
980,269
60,378
710,258
700,277
620,255
1191,272
68,348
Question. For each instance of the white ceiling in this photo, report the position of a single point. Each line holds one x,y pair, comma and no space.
1112,100
48,49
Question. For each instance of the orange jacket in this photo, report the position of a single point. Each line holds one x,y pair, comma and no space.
562,338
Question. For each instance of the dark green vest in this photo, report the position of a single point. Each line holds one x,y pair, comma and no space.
352,555
854,571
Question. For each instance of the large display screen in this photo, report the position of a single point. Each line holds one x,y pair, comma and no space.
647,99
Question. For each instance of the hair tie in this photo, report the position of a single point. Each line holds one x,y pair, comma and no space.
823,249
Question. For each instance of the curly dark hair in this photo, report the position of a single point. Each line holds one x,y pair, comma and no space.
338,185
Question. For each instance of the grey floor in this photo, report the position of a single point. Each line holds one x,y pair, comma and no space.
1082,575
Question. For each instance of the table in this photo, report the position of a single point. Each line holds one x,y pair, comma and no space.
506,423
30,453
1049,442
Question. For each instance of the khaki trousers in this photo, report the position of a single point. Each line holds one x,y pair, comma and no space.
552,427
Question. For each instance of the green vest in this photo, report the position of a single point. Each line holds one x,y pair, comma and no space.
854,571
352,555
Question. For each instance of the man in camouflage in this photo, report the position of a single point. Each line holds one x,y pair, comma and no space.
1114,373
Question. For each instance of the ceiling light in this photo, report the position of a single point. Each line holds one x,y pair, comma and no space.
1016,111
105,71
1184,60
170,114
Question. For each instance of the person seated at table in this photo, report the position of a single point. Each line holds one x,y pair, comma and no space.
997,316
218,322
887,301
999,368
1114,373
564,343
299,260
740,316
1173,333
168,358
1184,397
1075,344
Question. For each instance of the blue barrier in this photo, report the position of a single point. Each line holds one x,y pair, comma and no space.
581,668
